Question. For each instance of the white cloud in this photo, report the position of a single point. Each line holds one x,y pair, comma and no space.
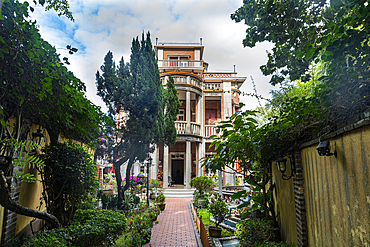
111,25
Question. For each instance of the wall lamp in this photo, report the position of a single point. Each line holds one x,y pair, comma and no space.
281,163
37,137
324,149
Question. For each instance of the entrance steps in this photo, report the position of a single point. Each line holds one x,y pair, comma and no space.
178,192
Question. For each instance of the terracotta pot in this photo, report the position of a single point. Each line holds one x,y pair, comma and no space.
162,206
214,232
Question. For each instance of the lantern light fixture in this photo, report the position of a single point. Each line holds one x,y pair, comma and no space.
281,163
37,137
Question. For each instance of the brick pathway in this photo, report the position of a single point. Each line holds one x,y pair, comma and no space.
175,227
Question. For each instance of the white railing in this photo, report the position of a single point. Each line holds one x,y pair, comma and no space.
212,86
180,127
209,130
195,129
182,79
180,63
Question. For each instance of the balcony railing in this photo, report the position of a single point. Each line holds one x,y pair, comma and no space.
180,63
195,129
181,128
212,86
209,130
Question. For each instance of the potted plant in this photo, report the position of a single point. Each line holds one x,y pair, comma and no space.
202,186
219,210
153,212
160,201
154,187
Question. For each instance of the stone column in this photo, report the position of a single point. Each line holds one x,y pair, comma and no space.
200,155
154,168
188,164
228,111
200,120
165,167
188,112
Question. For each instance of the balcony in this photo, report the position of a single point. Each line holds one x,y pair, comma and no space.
180,63
212,86
209,130
181,128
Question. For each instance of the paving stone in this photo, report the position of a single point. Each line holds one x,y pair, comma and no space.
175,226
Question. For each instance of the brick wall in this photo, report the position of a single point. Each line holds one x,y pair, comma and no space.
10,218
300,206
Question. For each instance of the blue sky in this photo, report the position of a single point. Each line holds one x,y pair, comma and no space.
106,25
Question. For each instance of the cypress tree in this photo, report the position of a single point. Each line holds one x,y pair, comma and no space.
137,91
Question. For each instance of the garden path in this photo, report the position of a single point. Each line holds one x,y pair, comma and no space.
175,227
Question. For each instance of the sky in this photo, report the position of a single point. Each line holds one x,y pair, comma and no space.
110,25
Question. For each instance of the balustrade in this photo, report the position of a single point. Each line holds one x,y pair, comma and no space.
195,129
209,130
212,86
181,128
180,63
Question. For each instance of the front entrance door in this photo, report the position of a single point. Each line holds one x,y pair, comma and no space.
178,171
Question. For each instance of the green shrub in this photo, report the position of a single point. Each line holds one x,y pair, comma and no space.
68,178
202,184
54,237
139,230
218,209
255,233
93,227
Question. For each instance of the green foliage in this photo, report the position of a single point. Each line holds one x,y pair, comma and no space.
204,214
155,186
130,201
290,25
37,87
172,105
218,209
139,231
308,32
202,200
135,90
202,184
89,228
160,198
255,233
109,201
68,177
20,156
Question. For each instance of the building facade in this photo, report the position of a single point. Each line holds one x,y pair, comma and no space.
206,99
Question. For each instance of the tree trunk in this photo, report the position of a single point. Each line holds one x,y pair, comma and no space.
117,170
8,203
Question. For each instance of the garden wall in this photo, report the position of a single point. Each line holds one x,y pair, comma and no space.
284,204
331,195
337,191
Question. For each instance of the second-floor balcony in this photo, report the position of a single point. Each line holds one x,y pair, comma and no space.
209,130
181,127
180,63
